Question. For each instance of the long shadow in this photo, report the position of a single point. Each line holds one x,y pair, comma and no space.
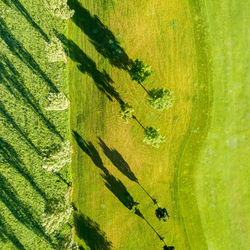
12,123
100,36
19,50
119,190
27,16
89,231
20,210
112,183
12,158
90,150
13,80
5,230
86,65
118,161
138,213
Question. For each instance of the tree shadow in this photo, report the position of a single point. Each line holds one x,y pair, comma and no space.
89,231
12,158
13,81
112,183
11,121
20,210
119,190
118,161
86,65
100,36
19,50
6,231
27,16
90,150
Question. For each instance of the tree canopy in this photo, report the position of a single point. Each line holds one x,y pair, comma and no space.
126,112
160,99
59,8
161,213
139,71
152,137
58,159
57,211
57,101
55,51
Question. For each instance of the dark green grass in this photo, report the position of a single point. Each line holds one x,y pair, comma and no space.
27,131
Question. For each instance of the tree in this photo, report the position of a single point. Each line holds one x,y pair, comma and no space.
151,136
57,211
57,101
161,213
160,99
59,8
58,159
168,248
55,51
66,242
126,112
139,71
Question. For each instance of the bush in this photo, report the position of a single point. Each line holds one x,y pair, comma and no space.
161,99
139,71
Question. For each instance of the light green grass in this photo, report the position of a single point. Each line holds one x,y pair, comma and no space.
23,131
222,173
188,45
146,31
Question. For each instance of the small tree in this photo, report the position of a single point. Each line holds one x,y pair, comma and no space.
57,101
151,136
161,213
126,112
58,159
168,248
139,71
59,8
55,51
160,99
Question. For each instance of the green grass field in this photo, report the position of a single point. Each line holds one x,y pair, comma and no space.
193,47
196,48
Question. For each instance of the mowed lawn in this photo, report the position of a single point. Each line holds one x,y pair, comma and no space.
222,175
161,33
